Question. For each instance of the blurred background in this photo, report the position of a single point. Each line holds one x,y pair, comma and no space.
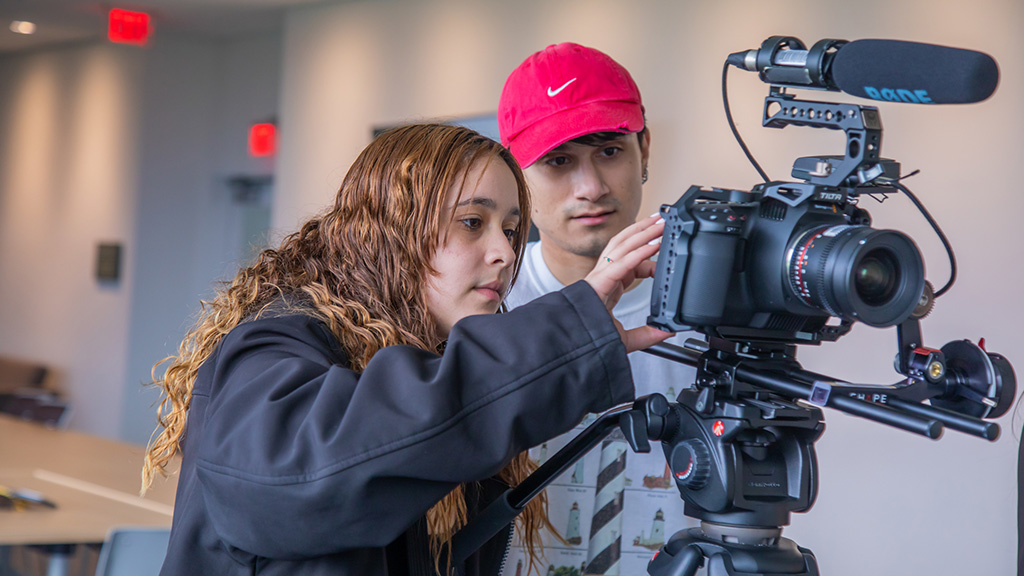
129,185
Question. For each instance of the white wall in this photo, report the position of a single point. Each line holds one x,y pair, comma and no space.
889,502
68,174
100,143
200,99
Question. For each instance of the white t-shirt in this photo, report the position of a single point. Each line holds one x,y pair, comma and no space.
651,508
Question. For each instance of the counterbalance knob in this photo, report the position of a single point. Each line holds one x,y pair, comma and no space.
691,463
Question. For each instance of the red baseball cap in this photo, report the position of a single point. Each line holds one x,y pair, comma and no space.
563,92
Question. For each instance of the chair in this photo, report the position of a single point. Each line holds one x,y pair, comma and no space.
23,393
133,552
40,406
16,373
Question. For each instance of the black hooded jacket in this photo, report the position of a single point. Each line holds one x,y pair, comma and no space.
295,464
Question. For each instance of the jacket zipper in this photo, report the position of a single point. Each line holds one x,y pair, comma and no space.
508,548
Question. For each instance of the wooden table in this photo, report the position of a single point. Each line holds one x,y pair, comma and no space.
94,482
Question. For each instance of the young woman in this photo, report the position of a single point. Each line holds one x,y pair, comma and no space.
349,400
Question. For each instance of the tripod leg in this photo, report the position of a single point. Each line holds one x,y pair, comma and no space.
684,563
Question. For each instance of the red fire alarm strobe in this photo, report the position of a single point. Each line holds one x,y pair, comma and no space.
261,139
127,27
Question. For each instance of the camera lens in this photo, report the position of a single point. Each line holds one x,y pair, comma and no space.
877,277
857,273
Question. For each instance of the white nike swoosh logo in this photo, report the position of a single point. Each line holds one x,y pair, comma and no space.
554,93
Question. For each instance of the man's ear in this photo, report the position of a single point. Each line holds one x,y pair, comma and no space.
645,146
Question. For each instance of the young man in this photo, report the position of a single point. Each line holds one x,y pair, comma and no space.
574,120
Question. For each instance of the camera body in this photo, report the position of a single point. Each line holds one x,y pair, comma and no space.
777,262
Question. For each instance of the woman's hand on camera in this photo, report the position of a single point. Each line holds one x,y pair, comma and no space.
626,259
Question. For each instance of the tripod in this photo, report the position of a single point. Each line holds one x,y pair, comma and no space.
734,551
742,451
742,466
740,443
743,460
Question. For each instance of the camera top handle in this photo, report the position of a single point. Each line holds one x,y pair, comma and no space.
861,164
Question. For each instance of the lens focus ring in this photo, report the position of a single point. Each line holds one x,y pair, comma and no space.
857,273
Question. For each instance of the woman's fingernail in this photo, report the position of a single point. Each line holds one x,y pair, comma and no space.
660,221
655,241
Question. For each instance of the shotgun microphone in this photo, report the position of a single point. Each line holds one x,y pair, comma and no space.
888,70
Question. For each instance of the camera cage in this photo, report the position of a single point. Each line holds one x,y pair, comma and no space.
836,181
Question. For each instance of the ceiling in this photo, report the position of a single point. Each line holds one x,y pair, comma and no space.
63,21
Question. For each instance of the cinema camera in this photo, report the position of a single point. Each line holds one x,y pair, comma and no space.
759,272
777,262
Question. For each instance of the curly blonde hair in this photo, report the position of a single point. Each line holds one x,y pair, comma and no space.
361,268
